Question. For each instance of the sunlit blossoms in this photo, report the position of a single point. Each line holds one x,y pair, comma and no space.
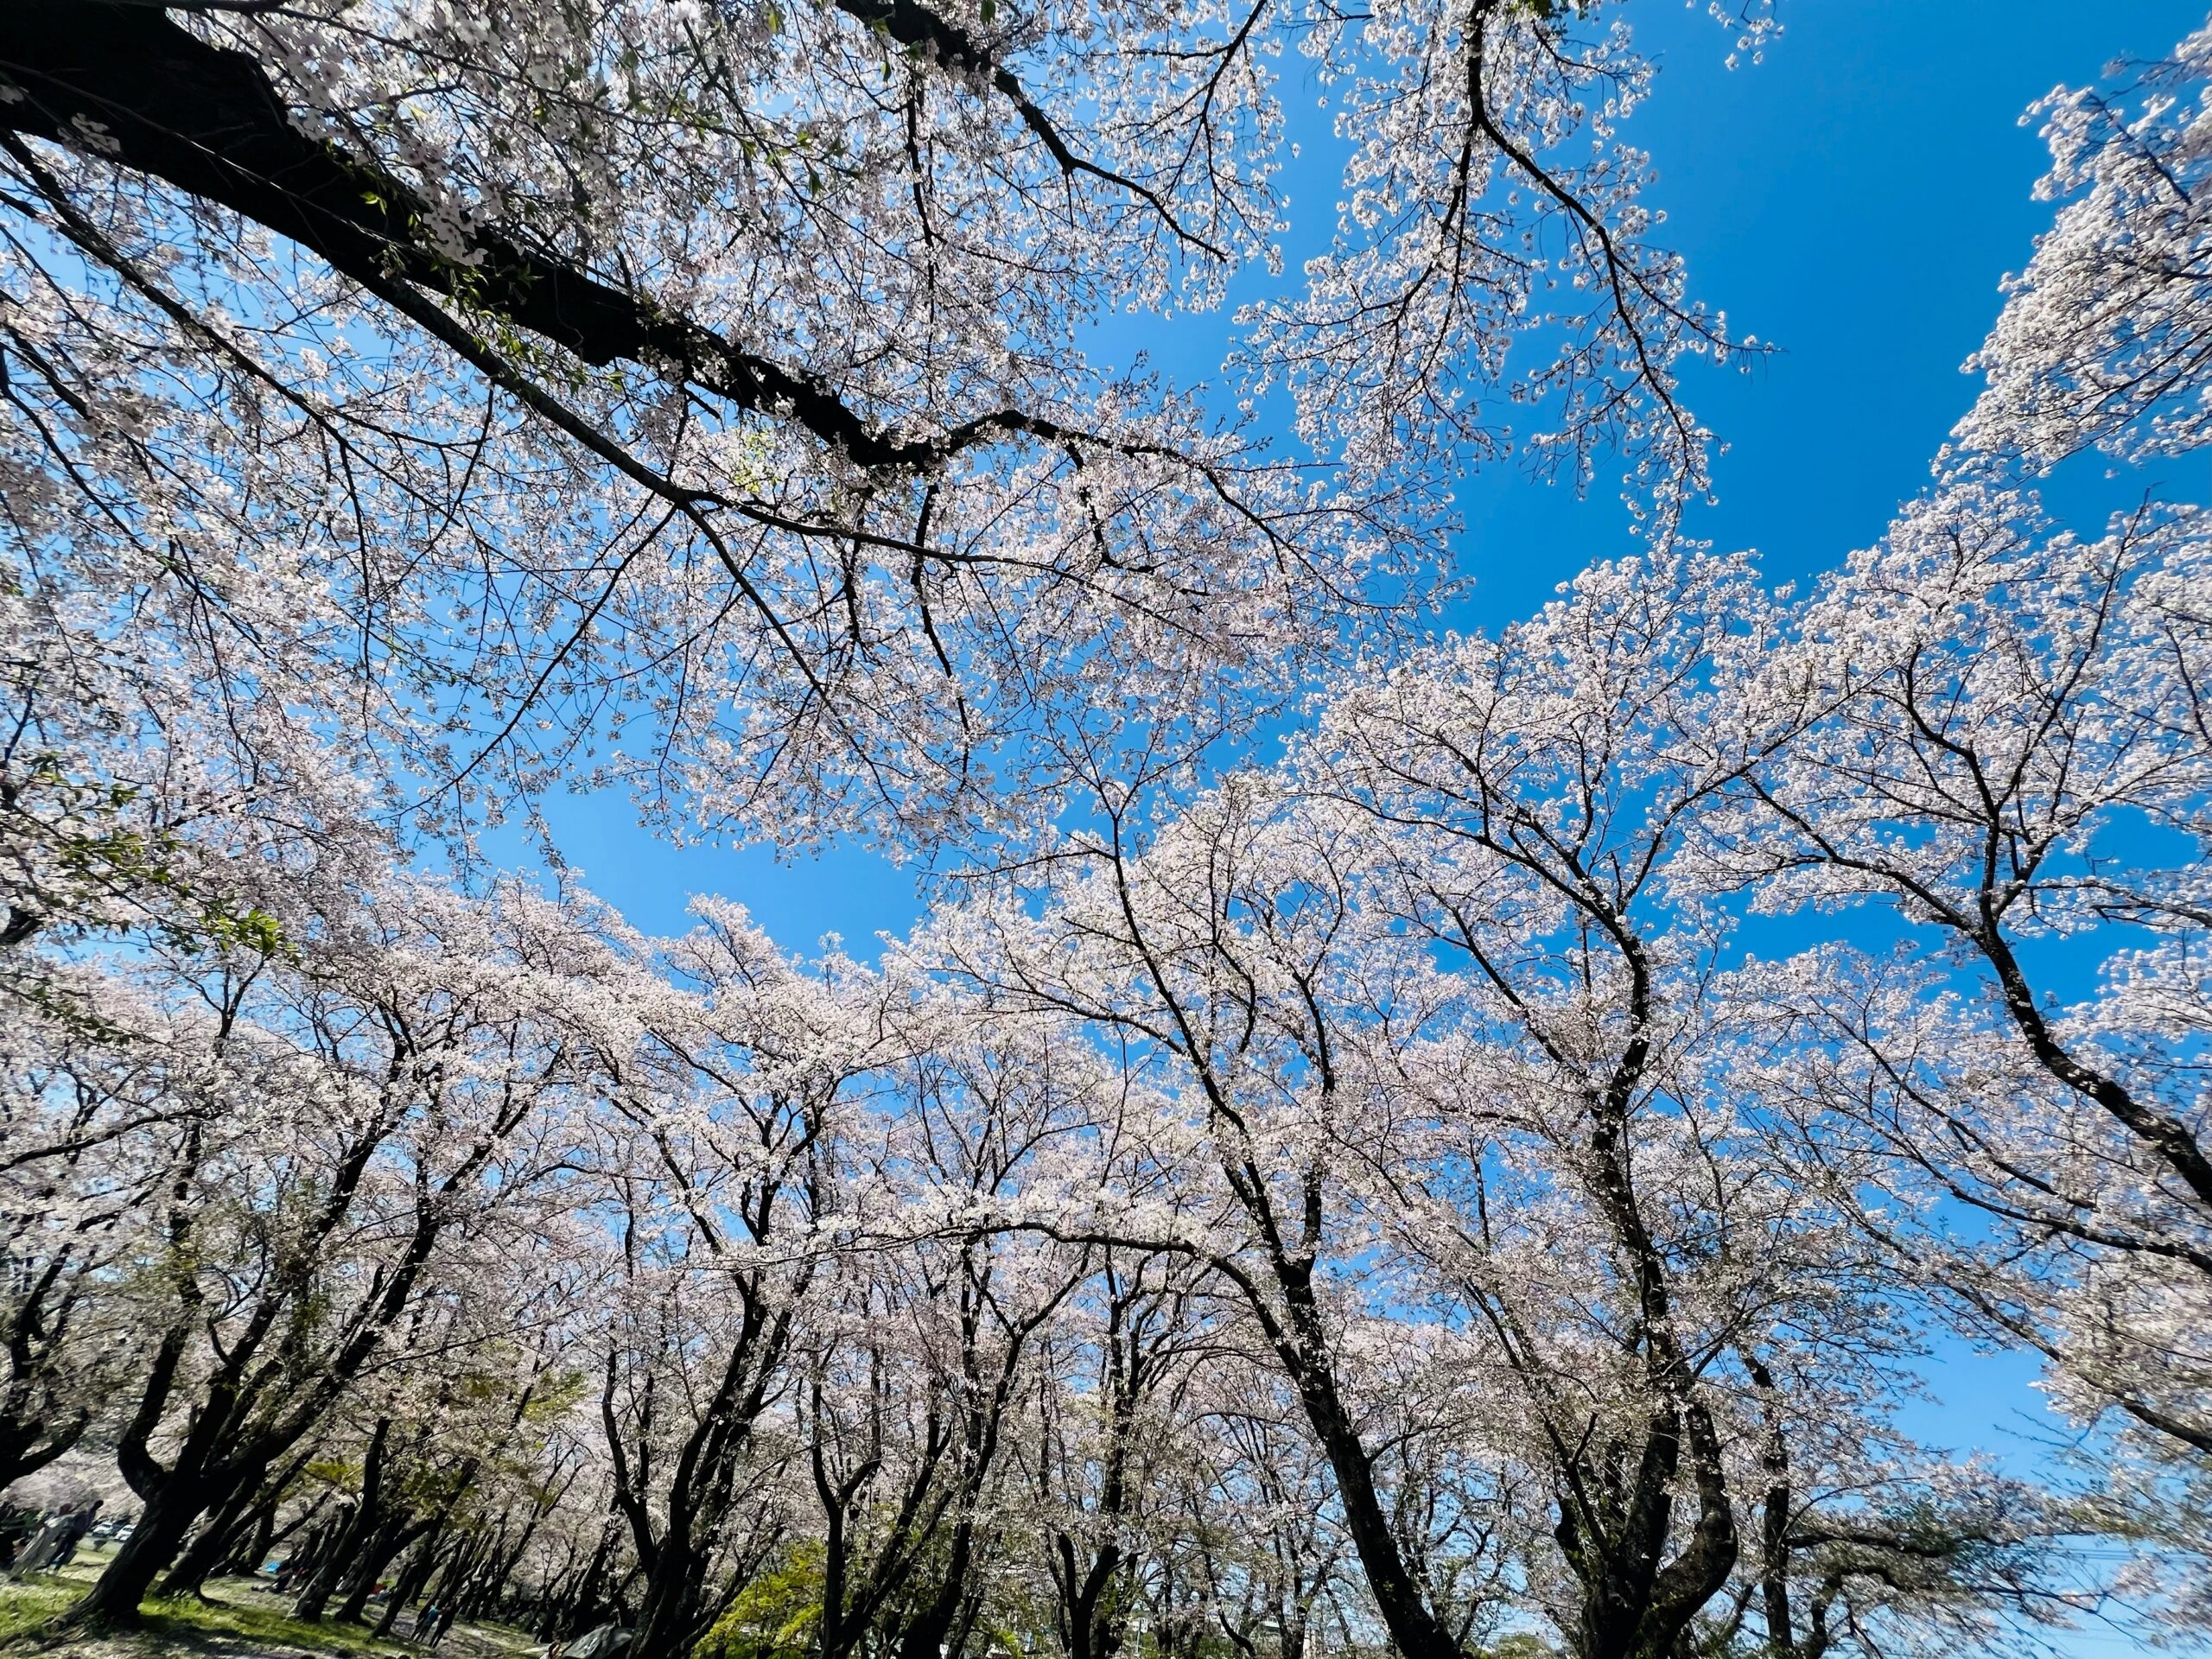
1387,1140
2102,342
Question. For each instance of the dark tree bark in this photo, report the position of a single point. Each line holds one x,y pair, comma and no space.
264,1394
34,1430
259,1533
1089,1584
501,1560
857,1588
397,1529
1617,1497
378,1553
1614,1538
590,1595
207,120
244,1526
362,1521
677,1533
676,1549
163,1522
986,1391
412,1578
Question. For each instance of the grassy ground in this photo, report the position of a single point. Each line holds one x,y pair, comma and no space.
237,1621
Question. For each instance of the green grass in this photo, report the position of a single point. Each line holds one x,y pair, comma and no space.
240,1621
208,1622
237,1621
24,1607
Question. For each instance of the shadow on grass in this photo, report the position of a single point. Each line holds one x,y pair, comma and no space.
226,1627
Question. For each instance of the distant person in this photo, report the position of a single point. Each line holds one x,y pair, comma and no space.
40,1550
426,1624
73,1535
56,1541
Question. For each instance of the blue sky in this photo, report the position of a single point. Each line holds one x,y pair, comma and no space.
1855,199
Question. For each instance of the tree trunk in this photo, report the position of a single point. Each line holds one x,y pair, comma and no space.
27,1446
584,1596
360,1531
419,1567
501,1568
1303,1348
375,1555
254,1541
924,1636
458,1569
670,1607
112,1602
206,1551
1092,1630
330,1561
312,1551
245,1537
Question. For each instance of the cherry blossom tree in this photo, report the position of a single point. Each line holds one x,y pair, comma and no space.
1603,1161
77,1174
726,1169
2002,740
343,1135
2103,341
692,399
1375,1199
1439,1017
1112,1428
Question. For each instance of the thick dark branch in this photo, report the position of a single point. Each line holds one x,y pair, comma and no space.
925,29
207,120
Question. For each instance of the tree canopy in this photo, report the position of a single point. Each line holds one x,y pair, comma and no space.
1340,1167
